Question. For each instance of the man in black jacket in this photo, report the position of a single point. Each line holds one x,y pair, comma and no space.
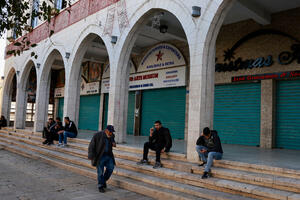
3,122
209,148
70,131
48,129
53,134
101,155
159,141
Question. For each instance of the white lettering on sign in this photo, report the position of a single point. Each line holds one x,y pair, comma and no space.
173,77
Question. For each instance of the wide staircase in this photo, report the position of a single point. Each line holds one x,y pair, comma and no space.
179,179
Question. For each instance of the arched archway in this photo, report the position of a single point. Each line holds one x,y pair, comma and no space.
52,77
153,28
9,96
83,82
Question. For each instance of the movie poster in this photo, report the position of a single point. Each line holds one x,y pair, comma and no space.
31,86
60,79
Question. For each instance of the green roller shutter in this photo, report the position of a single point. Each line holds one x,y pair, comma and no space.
130,115
237,113
166,105
60,112
89,112
288,114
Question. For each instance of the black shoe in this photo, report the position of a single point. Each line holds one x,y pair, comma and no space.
205,175
104,185
143,162
202,164
49,143
45,142
101,189
157,165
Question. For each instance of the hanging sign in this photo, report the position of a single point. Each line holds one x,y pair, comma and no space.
172,77
59,92
161,56
89,88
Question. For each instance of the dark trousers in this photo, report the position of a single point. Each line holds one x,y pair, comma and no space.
103,176
155,147
51,136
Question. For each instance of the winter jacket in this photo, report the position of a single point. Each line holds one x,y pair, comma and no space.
71,127
213,146
162,137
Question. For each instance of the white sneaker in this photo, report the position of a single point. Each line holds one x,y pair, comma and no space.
59,145
64,145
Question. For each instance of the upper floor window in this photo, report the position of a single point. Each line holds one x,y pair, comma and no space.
60,4
35,9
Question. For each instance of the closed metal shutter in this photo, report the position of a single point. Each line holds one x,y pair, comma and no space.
89,112
237,113
166,105
288,114
130,115
60,112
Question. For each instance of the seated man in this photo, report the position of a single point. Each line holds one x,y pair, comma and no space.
53,134
69,130
3,122
159,141
50,125
209,147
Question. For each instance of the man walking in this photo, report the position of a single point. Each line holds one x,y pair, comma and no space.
70,131
209,148
101,155
159,141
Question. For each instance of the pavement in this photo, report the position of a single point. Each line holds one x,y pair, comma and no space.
27,179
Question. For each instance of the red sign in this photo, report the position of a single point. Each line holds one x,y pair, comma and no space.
280,75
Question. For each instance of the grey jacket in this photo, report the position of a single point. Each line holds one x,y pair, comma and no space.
96,148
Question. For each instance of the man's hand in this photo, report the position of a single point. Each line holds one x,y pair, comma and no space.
60,132
203,151
163,150
151,131
114,144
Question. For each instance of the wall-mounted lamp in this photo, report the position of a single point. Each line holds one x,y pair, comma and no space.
114,39
196,11
163,28
38,65
17,72
2,77
67,55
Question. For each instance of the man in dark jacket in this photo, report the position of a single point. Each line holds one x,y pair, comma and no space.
101,155
209,148
160,141
53,134
3,122
70,131
47,130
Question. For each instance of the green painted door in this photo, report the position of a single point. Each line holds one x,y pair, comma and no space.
89,112
166,105
130,113
237,113
288,114
60,112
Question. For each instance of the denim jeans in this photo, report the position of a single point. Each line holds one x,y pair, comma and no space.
107,162
65,135
208,157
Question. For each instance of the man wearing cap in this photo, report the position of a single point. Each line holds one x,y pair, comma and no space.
101,155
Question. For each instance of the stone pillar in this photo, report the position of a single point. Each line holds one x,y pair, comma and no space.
118,101
267,122
101,112
21,106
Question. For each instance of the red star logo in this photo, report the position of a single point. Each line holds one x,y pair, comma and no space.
159,55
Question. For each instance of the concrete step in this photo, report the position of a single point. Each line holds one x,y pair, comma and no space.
116,180
271,181
181,177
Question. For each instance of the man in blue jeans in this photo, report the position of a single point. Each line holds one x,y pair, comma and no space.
101,155
70,131
209,148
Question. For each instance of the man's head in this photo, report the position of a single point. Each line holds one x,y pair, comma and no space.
157,125
67,120
58,119
109,130
206,132
50,120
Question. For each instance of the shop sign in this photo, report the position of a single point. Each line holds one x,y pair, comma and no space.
85,89
59,92
161,56
172,77
279,75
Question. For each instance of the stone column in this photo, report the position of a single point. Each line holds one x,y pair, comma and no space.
118,101
101,110
267,122
21,106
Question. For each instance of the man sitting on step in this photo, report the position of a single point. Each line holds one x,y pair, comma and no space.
209,148
160,141
48,129
70,131
53,134
101,155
